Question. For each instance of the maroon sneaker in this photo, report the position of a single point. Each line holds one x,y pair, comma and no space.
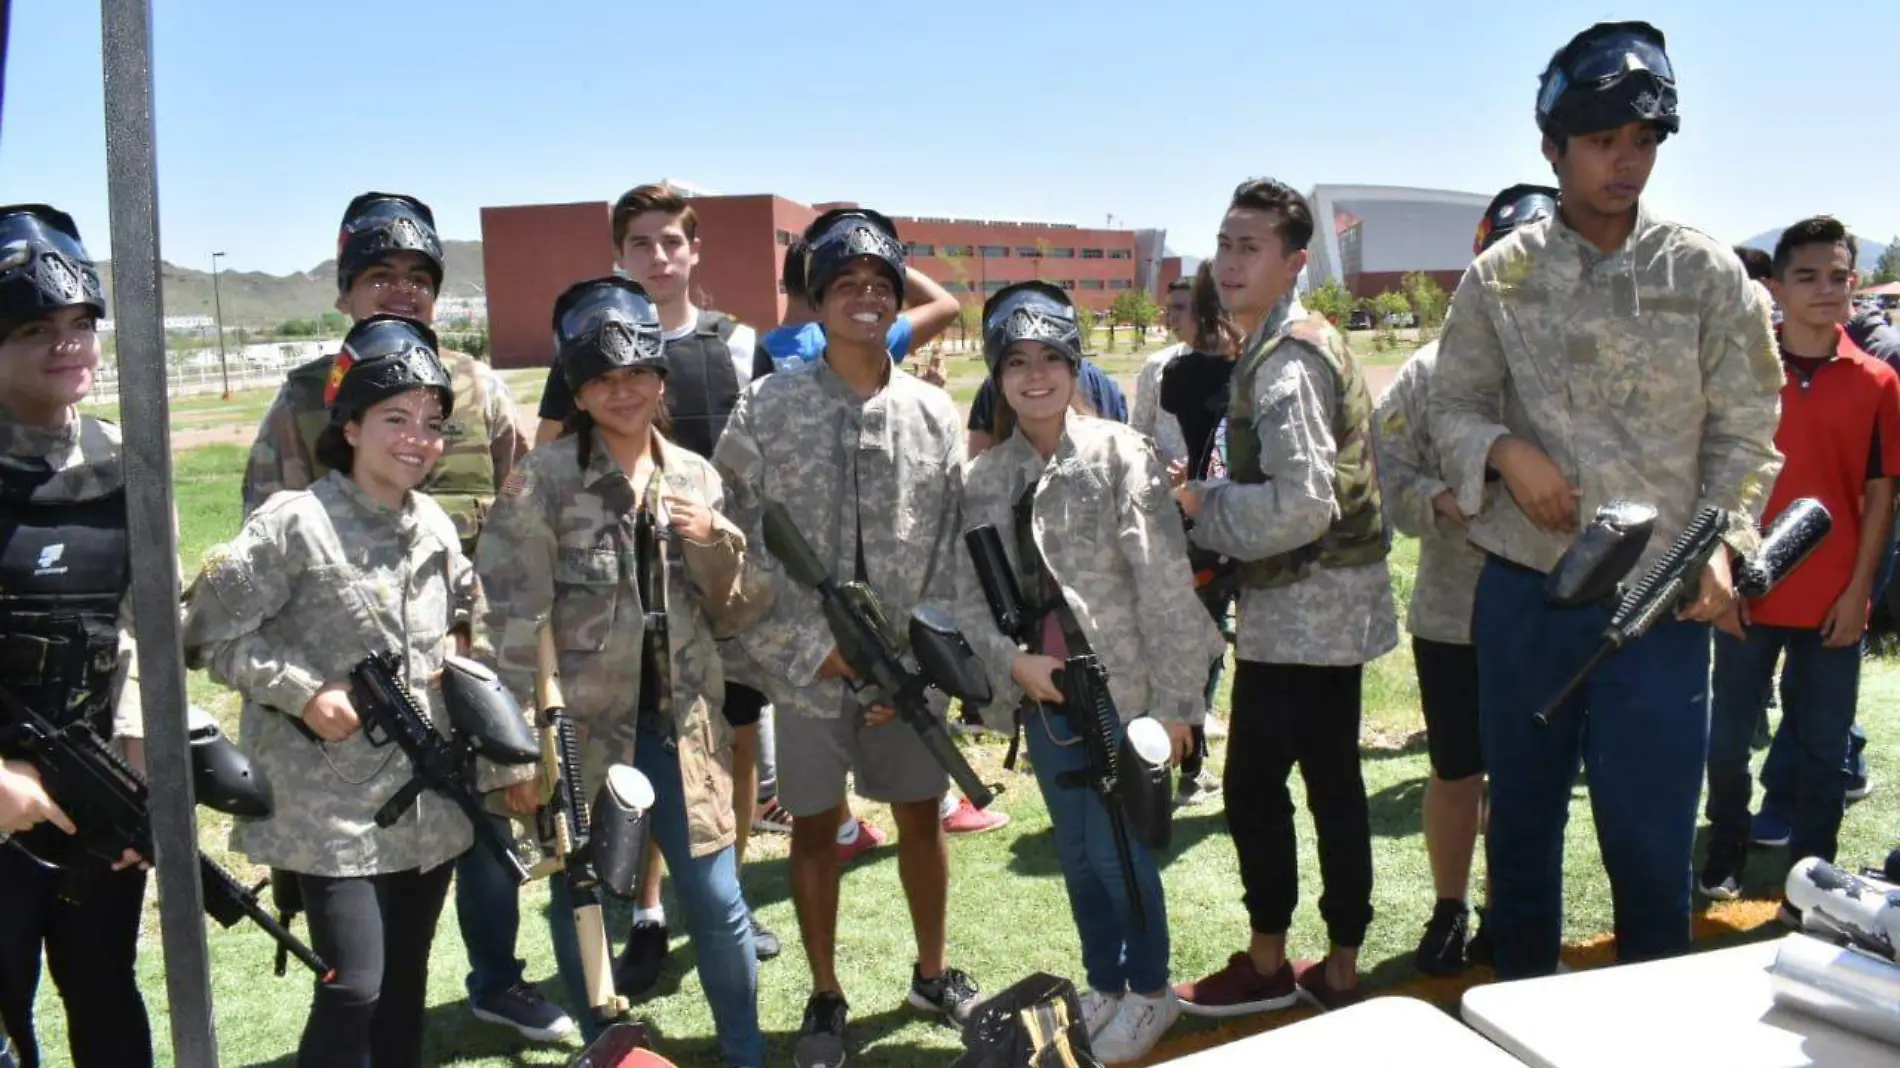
1238,989
1310,975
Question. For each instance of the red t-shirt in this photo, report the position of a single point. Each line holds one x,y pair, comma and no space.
1840,429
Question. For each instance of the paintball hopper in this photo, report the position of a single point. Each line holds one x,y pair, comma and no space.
223,778
621,824
1589,571
1145,783
946,658
1795,533
1845,908
483,711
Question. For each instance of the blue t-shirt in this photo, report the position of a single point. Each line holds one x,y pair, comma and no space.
788,347
1100,390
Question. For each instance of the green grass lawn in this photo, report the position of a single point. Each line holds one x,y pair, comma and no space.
1008,913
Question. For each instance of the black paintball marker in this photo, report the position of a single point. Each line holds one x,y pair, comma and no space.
867,643
487,722
1131,779
1606,550
106,800
598,847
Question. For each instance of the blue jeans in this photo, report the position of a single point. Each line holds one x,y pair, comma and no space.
1647,710
1804,772
708,891
1778,771
488,910
1114,958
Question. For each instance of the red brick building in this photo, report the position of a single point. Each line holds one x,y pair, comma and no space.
531,252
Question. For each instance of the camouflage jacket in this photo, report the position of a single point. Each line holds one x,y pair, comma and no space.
85,462
560,544
1650,374
483,443
1149,417
1331,616
1446,585
316,580
1110,535
877,471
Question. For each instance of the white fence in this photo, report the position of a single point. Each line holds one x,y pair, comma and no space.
193,381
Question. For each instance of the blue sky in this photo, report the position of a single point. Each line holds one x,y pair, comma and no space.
272,114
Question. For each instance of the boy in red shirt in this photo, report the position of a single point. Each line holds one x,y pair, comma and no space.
1840,432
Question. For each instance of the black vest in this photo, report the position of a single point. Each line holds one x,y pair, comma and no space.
64,568
702,385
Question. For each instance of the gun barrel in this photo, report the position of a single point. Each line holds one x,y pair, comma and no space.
993,573
229,901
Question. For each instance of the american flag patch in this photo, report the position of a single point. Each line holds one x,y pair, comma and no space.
516,484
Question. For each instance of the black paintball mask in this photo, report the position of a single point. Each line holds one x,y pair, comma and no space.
841,235
1030,311
376,226
1610,74
384,356
1520,205
605,324
43,267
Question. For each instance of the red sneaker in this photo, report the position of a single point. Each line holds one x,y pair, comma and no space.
1310,975
869,838
969,819
1238,989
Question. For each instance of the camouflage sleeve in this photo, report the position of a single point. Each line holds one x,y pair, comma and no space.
784,642
1147,398
128,709
514,561
506,443
1295,504
1408,472
1741,385
732,595
941,585
244,583
1466,409
1178,640
274,462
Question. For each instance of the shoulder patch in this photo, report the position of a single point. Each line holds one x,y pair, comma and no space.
518,482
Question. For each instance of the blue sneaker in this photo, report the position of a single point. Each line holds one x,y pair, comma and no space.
1770,828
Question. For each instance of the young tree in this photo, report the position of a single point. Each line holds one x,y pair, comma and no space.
1428,301
1387,308
1332,299
1134,308
1888,269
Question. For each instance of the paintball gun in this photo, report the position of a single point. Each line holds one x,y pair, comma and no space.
1846,909
866,642
1131,779
487,723
606,849
1590,569
106,800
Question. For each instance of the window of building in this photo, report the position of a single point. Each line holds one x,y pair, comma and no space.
950,252
995,252
1091,283
1091,253
918,248
994,285
1067,283
1120,254
784,236
1120,283
1029,252
1061,253
954,286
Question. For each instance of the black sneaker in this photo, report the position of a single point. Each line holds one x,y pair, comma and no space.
1197,789
952,994
638,967
1442,951
1478,950
523,1008
821,1036
764,943
1721,877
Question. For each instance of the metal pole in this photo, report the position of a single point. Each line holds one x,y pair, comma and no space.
217,306
138,304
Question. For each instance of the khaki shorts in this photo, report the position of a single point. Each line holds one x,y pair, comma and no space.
888,763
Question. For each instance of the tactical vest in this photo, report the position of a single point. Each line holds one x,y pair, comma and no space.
463,480
64,568
702,385
1357,535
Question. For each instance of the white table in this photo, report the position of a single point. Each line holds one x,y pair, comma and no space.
1712,1008
1379,1031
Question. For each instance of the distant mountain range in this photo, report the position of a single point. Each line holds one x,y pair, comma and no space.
254,299
1870,248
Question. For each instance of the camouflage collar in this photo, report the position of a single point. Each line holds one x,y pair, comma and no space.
1277,318
834,384
1591,256
602,466
349,490
22,440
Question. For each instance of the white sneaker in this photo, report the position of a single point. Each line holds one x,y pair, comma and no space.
1213,727
1137,1026
1098,1009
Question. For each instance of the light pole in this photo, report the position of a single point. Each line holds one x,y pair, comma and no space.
217,306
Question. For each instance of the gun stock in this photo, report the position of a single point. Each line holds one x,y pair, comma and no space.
1093,719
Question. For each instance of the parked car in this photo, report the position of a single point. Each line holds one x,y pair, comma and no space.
1359,320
